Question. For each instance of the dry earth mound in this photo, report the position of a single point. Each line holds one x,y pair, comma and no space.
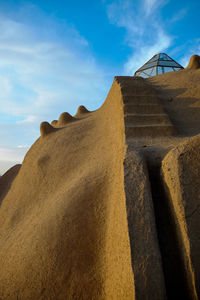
89,215
63,225
194,62
181,170
181,97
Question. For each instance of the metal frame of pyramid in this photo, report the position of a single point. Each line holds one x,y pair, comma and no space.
159,64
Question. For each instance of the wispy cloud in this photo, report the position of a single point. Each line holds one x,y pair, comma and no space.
149,6
145,33
41,75
10,156
46,67
193,47
179,15
145,52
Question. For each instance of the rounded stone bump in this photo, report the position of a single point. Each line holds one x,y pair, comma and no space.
54,122
65,118
81,110
194,62
46,128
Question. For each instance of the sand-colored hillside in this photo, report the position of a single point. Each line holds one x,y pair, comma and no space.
181,170
106,203
182,92
63,225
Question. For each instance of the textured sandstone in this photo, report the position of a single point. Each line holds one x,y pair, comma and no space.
181,171
82,110
75,223
7,179
194,62
63,224
146,258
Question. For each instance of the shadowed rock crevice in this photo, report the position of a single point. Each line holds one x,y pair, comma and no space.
76,223
173,265
151,221
145,252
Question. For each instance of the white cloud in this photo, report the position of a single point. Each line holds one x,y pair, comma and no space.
29,119
41,73
185,59
23,146
46,68
145,34
144,53
10,156
179,15
6,165
149,6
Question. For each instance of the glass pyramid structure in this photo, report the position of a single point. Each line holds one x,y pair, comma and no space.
159,64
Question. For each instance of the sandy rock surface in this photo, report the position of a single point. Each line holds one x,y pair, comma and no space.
146,258
63,225
7,179
181,171
106,203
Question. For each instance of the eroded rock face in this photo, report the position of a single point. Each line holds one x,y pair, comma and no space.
146,258
63,224
194,62
181,173
6,180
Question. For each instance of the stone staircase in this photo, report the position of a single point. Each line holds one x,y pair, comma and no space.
143,111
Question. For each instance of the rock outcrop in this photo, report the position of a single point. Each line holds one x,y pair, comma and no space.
146,257
181,170
7,179
106,203
63,224
194,62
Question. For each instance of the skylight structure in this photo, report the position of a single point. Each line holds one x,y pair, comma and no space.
159,64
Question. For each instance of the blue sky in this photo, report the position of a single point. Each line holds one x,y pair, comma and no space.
56,55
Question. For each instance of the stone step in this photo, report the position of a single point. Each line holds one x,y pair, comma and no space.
149,130
138,90
143,108
147,119
130,80
141,99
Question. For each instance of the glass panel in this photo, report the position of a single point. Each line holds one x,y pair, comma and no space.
153,73
177,69
142,74
155,57
168,63
148,65
159,69
138,74
163,56
168,69
163,65
148,72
